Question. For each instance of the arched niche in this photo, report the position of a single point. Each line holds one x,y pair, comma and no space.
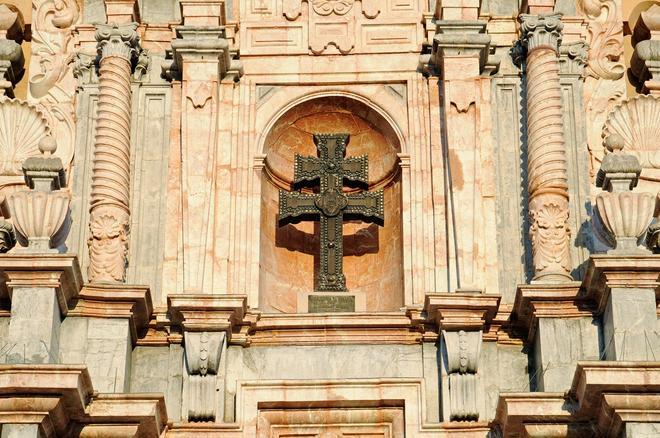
373,255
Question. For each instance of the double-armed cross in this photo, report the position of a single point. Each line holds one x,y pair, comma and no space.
331,203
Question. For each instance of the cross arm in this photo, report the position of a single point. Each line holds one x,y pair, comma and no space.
295,204
366,205
306,169
356,169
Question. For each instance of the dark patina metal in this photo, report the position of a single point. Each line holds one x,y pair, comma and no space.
329,171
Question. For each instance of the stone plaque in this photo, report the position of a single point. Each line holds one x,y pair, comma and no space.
331,303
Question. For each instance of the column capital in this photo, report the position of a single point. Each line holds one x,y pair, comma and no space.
117,40
540,31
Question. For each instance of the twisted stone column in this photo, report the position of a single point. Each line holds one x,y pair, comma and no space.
546,149
109,211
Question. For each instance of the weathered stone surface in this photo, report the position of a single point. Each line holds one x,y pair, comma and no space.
558,346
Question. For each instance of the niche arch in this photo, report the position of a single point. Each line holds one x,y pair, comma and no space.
373,261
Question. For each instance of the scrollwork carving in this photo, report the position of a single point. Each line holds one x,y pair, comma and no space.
327,7
605,38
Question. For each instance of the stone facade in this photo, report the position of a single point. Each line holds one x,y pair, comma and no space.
509,288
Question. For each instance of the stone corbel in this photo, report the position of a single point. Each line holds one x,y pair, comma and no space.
207,322
462,350
11,53
462,318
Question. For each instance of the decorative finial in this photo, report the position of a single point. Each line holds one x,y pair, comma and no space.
47,145
614,143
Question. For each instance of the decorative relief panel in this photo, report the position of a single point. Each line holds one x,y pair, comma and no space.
325,27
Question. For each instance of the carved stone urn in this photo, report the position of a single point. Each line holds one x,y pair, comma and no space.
624,215
41,212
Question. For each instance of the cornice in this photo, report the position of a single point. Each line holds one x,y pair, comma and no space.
131,302
605,272
58,271
548,300
461,311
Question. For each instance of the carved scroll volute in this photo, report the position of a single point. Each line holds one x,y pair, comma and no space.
605,39
462,350
203,353
51,85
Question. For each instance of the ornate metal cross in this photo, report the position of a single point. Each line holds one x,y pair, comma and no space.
330,203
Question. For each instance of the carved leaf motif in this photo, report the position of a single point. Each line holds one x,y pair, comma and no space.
327,7
51,40
108,246
549,236
21,128
605,39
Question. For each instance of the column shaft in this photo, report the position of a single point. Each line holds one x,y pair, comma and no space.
546,150
109,210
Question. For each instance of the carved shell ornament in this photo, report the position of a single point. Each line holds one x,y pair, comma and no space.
327,7
637,121
22,126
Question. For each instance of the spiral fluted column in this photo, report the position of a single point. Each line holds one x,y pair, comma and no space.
546,149
109,210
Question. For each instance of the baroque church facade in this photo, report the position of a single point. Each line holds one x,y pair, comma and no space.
329,218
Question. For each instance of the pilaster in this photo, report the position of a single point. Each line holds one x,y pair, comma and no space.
460,55
625,290
41,288
204,63
560,327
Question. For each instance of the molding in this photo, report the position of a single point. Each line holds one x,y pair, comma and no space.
631,271
116,301
61,398
461,311
206,312
604,393
336,329
58,271
555,300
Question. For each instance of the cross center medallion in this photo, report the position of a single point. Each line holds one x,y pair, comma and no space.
331,206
